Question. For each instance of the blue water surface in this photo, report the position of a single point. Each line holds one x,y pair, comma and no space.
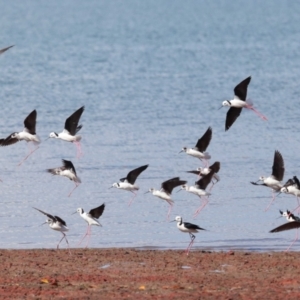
152,75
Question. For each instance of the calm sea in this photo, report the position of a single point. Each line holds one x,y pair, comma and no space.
152,75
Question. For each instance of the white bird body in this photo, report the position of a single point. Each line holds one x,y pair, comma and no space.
88,217
70,130
235,102
292,189
55,225
128,183
26,136
166,191
182,226
162,195
199,189
205,171
65,136
196,153
68,171
188,228
199,150
194,190
288,215
271,182
293,223
126,186
91,218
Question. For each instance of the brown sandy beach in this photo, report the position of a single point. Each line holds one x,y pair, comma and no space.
148,274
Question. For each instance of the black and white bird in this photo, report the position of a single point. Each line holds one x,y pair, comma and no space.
199,189
56,223
215,167
238,102
70,130
189,228
293,223
292,186
91,218
127,183
28,134
5,49
166,191
67,170
199,150
274,180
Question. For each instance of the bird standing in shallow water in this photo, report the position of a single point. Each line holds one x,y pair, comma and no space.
239,102
189,228
67,170
274,180
293,222
56,223
91,218
127,183
166,191
28,134
199,150
70,130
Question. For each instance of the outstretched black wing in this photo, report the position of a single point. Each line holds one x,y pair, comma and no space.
98,211
71,124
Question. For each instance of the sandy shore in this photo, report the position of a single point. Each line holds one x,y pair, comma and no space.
148,274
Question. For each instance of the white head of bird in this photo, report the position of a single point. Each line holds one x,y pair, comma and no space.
53,135
183,187
184,149
226,103
178,219
286,214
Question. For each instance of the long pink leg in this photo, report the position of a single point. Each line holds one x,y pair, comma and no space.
89,236
293,242
31,151
212,185
87,231
76,185
79,151
68,245
196,213
205,163
169,211
298,207
190,244
273,198
257,112
129,203
64,237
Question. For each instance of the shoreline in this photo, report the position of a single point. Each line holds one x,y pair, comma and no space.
148,274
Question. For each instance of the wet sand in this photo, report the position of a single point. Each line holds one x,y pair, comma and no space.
148,274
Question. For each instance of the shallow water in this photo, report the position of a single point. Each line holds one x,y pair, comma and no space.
152,77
